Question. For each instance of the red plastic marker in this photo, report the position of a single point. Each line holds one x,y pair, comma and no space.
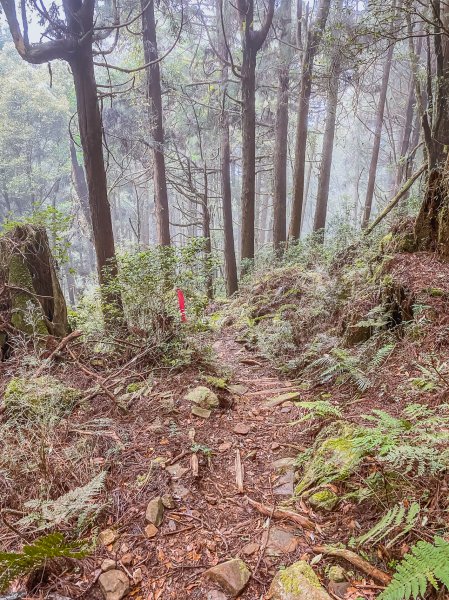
182,305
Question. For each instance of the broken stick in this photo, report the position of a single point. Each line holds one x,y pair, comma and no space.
355,560
280,513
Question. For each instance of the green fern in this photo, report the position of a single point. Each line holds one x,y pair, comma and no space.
35,555
425,563
341,366
381,355
394,518
318,409
76,503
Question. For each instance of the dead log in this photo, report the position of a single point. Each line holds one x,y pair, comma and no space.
31,298
358,562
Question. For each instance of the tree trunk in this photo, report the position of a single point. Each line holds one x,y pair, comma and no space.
156,120
252,42
401,170
248,152
32,300
79,181
319,223
281,131
377,137
91,133
313,40
207,238
230,263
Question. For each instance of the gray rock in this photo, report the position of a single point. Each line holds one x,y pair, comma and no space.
216,595
232,575
282,464
337,574
155,511
285,485
297,582
108,564
114,584
203,413
280,541
203,397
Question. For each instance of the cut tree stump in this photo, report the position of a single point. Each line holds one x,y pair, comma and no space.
31,298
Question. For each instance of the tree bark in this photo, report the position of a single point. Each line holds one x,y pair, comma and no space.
252,42
314,36
319,223
156,122
281,130
377,137
230,262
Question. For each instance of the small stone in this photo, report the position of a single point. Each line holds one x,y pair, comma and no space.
203,397
179,491
155,511
337,574
250,548
124,548
232,575
280,541
225,446
216,595
114,584
203,413
171,525
275,446
151,531
242,428
297,582
137,576
285,485
176,470
339,588
282,464
127,559
237,389
108,564
168,501
107,537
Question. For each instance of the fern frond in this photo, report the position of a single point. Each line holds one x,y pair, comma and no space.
17,564
318,409
381,355
394,518
425,563
76,503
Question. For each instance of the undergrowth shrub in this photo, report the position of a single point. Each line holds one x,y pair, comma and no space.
35,555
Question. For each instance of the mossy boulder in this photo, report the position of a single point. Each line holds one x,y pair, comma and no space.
324,500
203,397
38,397
335,457
297,582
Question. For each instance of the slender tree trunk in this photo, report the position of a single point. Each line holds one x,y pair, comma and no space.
377,137
156,122
313,40
79,182
281,130
401,170
230,263
319,223
252,42
248,152
91,133
207,238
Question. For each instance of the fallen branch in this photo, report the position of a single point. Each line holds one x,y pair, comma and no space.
355,560
62,344
239,473
407,185
280,513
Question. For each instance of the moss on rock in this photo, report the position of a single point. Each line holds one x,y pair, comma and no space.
324,500
297,582
334,458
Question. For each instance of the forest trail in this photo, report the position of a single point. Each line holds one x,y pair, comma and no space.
212,520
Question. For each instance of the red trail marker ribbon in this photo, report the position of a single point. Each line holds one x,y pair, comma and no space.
182,305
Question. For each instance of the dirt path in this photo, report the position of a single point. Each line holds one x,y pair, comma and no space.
211,520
